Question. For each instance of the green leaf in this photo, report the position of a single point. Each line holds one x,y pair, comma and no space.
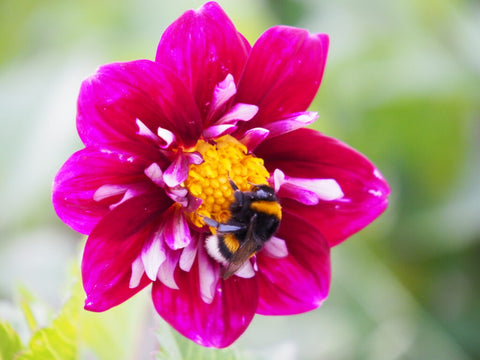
174,346
10,343
119,333
57,341
26,298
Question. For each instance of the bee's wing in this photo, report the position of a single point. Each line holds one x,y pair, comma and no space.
244,252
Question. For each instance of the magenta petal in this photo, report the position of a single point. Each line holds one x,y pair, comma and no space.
176,231
202,47
283,73
189,253
112,247
216,131
153,254
291,122
117,95
253,137
305,153
239,112
300,281
306,191
216,324
222,93
177,172
275,248
116,164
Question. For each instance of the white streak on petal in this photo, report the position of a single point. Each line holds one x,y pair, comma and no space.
153,256
167,271
137,273
325,189
176,230
187,257
253,137
182,235
208,276
223,92
155,174
306,191
276,248
179,195
130,193
166,136
378,174
246,271
296,121
299,194
253,259
143,130
177,172
106,191
376,193
215,131
239,112
194,157
278,179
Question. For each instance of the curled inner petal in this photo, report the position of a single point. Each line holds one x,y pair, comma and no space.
190,252
167,270
167,136
275,247
107,190
306,191
209,275
253,137
290,123
176,231
155,173
239,112
137,272
215,131
223,92
153,255
177,172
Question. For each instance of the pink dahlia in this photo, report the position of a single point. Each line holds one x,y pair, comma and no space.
173,145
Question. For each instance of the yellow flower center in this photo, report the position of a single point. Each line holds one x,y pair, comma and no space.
224,159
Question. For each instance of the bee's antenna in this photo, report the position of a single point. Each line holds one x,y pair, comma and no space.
232,184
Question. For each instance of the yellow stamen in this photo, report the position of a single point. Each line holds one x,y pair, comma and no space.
209,181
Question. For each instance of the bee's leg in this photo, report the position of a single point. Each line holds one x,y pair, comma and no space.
229,228
236,193
221,227
210,222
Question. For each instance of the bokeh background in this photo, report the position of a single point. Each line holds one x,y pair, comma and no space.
402,85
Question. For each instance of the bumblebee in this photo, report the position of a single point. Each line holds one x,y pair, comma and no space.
255,217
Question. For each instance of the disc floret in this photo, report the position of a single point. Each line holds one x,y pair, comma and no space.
224,159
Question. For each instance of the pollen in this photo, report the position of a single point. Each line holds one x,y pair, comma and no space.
224,159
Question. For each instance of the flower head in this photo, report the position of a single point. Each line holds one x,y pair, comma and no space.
172,146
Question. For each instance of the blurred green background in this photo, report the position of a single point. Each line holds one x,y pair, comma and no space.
402,85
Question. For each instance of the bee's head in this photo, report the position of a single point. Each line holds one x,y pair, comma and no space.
264,192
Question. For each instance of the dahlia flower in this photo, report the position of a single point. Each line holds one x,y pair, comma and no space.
166,143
